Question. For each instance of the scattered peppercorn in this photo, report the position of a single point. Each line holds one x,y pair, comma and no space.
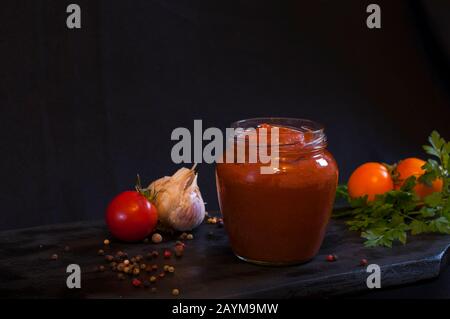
120,254
167,253
145,240
179,250
154,254
101,268
183,236
175,292
152,279
100,252
210,235
106,242
146,284
157,238
54,257
331,257
153,289
363,262
121,276
190,237
136,282
66,248
148,268
179,243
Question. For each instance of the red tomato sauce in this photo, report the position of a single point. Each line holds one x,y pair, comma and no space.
280,218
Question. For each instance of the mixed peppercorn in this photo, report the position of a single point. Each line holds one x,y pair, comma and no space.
143,270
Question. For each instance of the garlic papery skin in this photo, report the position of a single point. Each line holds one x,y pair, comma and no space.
178,200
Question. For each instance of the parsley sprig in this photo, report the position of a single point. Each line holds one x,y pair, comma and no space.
397,213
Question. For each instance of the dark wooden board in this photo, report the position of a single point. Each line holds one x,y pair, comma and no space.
208,269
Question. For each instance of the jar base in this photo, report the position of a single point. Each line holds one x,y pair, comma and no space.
273,264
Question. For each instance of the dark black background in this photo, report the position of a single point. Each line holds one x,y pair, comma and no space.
83,111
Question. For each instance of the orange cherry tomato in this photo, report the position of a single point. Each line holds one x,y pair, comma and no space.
370,179
413,167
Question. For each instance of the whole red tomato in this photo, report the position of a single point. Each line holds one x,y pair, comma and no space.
131,217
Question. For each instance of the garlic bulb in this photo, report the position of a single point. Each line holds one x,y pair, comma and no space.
179,201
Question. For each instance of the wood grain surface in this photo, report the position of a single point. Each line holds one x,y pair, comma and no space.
208,268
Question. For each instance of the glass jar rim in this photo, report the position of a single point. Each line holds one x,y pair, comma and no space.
302,125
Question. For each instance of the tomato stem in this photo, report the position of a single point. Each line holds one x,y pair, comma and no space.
150,194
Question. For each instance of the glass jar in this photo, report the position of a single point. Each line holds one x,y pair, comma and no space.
279,218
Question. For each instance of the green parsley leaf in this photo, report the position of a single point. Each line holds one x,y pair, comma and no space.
418,227
342,192
408,184
433,200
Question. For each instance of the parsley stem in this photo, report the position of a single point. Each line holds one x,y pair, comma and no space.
343,212
407,216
